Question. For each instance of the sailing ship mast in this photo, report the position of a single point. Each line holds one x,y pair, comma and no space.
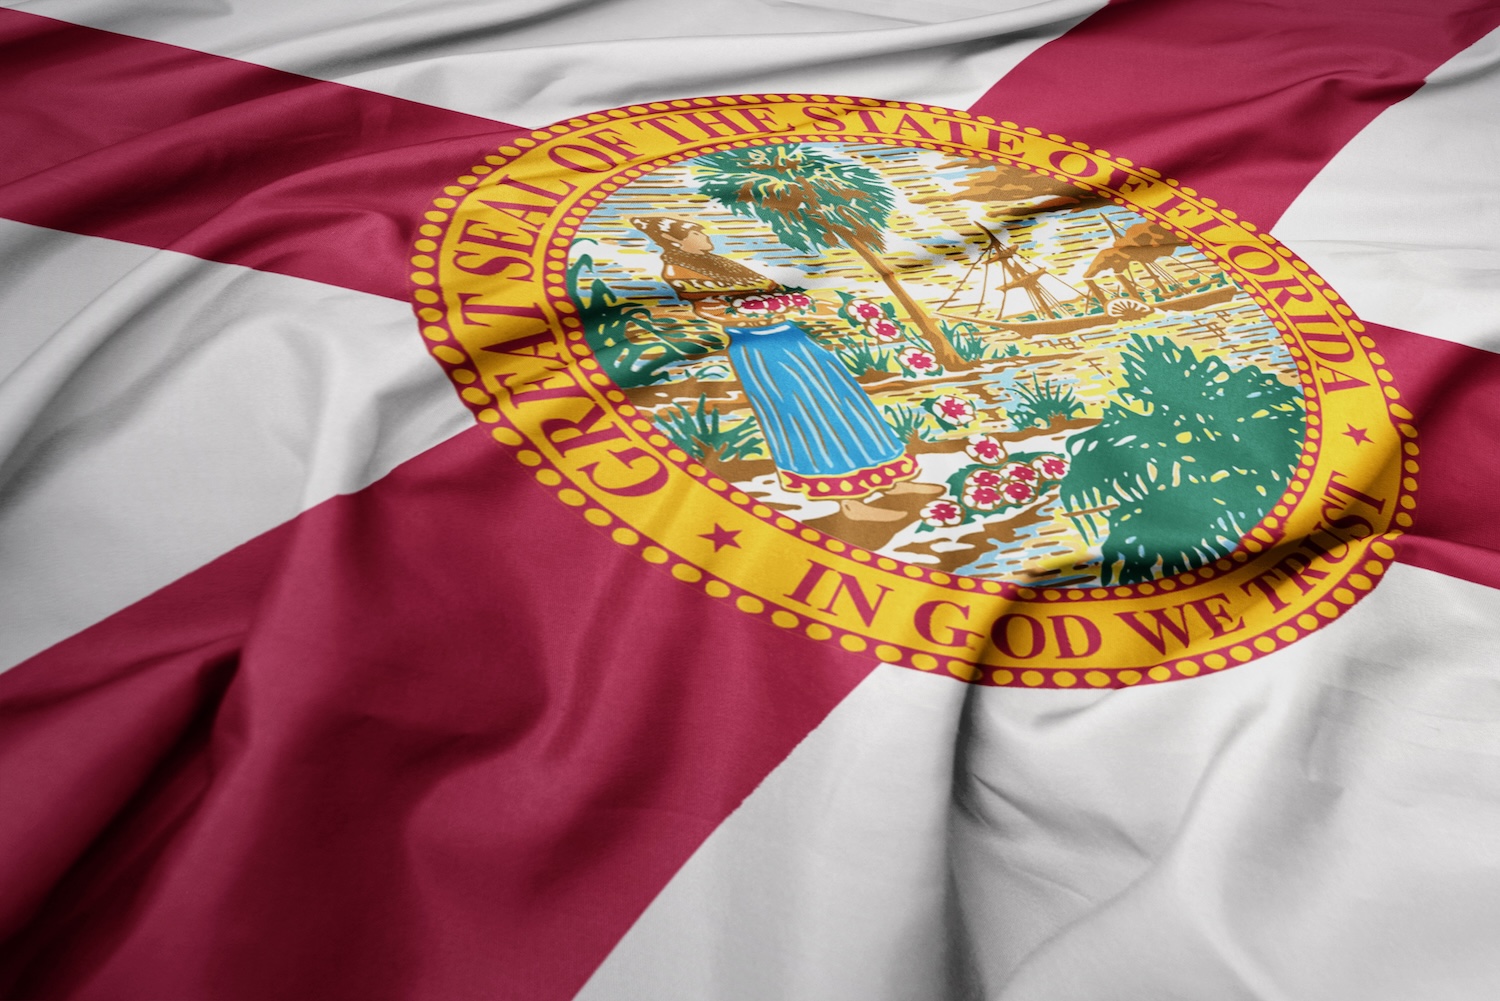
1019,274
1057,307
1027,277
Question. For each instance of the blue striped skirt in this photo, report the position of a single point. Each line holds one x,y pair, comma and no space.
816,419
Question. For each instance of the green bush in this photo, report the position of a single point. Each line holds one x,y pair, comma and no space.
700,433
606,325
862,357
1041,403
1192,454
968,341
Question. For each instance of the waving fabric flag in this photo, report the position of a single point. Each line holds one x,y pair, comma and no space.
736,500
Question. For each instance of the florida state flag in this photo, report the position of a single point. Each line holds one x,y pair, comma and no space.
738,500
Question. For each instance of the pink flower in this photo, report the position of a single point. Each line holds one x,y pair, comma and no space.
1053,467
984,448
753,302
951,411
955,409
884,329
942,514
986,478
917,360
982,498
864,310
800,301
1016,471
1018,491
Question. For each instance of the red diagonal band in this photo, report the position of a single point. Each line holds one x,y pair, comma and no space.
437,739
1245,101
134,140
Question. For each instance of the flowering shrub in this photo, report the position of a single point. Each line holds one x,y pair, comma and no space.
983,448
874,319
1051,467
982,498
918,362
1020,471
981,489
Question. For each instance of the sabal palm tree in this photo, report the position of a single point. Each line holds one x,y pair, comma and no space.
812,200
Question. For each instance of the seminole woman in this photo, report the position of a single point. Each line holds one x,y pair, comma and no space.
826,437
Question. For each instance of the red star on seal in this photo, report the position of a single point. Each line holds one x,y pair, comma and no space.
722,537
1358,434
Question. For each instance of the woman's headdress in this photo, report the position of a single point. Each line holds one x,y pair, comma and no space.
666,230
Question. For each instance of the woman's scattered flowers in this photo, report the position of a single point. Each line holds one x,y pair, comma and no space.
989,487
952,411
1019,492
782,303
918,362
1051,467
983,448
942,514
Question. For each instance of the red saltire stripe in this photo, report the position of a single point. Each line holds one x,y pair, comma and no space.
437,739
1454,392
154,144
265,785
1244,101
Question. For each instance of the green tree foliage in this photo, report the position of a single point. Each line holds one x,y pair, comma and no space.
812,200
809,199
1193,453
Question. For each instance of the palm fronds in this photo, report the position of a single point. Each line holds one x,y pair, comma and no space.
700,432
808,198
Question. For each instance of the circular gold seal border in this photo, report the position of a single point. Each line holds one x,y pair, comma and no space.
1322,586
